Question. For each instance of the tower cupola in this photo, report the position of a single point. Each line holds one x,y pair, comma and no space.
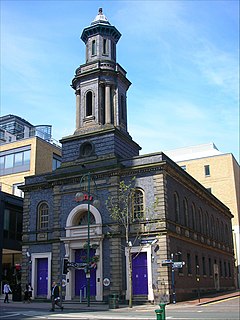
100,39
101,86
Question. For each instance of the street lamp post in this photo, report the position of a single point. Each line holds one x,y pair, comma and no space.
88,243
198,282
89,198
175,265
173,280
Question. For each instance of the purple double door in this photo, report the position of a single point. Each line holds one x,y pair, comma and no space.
139,274
80,275
42,277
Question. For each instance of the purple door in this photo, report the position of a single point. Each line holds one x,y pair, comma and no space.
80,275
42,277
139,273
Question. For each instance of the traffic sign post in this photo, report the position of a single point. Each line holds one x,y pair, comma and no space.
174,265
178,264
167,262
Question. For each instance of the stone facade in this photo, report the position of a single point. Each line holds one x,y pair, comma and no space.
103,155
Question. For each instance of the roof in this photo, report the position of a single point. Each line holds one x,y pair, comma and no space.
193,152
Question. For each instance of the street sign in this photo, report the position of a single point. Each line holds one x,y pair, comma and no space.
167,262
77,265
178,265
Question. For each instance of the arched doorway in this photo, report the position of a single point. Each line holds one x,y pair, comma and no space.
75,250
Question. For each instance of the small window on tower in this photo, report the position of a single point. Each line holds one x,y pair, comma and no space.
105,46
93,47
89,101
122,107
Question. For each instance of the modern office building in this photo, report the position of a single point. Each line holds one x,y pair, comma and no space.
172,216
25,150
220,174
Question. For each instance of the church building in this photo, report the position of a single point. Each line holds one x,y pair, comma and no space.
176,227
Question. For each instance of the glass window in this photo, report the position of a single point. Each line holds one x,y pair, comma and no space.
176,207
6,219
122,106
193,217
204,265
189,264
225,269
93,47
26,157
56,162
8,161
210,266
200,217
89,101
84,219
207,170
105,46
18,159
43,216
2,162
138,205
229,270
185,208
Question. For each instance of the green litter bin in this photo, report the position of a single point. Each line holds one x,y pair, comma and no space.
159,314
114,301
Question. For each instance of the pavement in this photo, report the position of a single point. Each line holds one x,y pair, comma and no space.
98,306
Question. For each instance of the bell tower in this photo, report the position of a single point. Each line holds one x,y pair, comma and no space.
101,95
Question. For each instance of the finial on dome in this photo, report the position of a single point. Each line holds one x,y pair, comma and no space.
100,18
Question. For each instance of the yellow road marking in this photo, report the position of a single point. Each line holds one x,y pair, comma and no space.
215,302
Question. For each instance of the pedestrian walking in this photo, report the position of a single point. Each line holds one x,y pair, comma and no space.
6,291
25,294
30,290
55,297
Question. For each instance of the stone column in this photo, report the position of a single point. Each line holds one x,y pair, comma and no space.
107,103
78,112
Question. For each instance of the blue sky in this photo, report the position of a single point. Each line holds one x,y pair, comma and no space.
182,58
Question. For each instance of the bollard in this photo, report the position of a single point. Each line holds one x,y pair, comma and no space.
159,314
162,307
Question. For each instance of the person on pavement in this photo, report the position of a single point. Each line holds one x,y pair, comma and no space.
6,291
55,297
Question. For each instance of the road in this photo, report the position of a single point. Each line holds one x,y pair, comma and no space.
226,309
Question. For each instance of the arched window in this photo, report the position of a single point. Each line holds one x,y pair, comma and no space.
138,205
218,230
83,219
176,207
185,208
89,102
200,219
193,217
212,227
93,47
222,232
43,215
226,234
207,224
105,46
122,107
